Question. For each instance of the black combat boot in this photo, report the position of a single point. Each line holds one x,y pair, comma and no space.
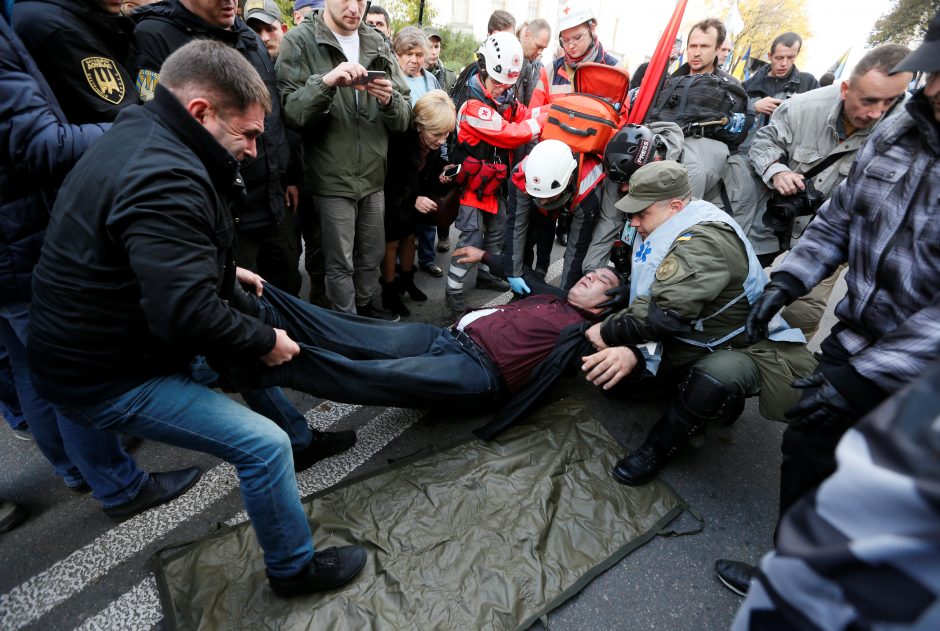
406,282
670,432
391,300
701,399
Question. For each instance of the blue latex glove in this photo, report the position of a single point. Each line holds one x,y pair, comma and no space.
518,286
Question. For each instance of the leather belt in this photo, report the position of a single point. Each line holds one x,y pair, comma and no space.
462,338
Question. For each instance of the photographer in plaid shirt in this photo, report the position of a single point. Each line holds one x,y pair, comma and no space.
883,221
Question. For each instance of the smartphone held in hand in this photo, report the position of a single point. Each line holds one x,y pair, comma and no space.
369,78
450,170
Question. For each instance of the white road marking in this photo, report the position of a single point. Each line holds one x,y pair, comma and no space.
136,610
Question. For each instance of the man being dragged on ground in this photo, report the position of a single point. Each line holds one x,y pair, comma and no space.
487,354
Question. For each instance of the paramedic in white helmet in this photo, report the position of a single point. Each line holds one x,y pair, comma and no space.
549,181
577,37
487,133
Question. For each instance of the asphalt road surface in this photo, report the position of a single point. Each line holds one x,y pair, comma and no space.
70,567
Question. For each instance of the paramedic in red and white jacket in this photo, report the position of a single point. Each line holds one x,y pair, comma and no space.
487,132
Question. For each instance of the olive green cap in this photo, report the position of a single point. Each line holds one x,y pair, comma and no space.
655,182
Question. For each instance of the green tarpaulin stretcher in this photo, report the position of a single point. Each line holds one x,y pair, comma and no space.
478,536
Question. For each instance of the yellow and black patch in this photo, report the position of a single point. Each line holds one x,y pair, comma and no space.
147,81
668,268
104,78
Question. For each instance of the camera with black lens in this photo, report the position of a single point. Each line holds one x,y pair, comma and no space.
782,210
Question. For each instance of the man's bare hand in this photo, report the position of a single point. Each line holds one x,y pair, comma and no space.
788,182
767,105
381,89
249,281
344,74
284,349
607,367
425,205
593,336
468,254
292,197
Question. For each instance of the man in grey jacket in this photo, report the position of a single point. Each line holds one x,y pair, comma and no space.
803,132
322,74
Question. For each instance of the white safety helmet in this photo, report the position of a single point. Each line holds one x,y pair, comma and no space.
548,169
573,13
502,54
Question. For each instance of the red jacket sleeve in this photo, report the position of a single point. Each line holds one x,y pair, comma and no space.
480,122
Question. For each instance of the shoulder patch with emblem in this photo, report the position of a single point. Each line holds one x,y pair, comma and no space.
485,113
667,268
686,237
104,78
147,81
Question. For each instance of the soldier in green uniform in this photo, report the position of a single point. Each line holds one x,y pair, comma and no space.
694,276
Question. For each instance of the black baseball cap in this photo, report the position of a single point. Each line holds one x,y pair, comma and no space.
927,56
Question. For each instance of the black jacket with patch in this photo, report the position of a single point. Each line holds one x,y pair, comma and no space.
80,51
136,275
166,26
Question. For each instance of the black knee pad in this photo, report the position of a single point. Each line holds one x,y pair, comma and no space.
707,398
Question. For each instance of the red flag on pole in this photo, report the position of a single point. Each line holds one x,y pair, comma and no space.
656,67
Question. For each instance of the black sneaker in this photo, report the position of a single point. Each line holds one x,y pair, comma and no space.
130,443
443,245
159,489
322,446
11,515
455,302
80,488
735,575
496,284
368,311
328,569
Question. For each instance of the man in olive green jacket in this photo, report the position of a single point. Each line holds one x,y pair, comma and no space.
693,278
345,129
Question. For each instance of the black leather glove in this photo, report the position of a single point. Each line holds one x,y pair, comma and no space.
619,298
822,409
778,293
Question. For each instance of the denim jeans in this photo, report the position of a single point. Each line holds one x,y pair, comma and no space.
372,362
179,411
76,452
269,402
426,234
9,402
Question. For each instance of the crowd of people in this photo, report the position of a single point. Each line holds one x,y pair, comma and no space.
168,162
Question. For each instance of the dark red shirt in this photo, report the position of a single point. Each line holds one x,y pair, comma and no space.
520,335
